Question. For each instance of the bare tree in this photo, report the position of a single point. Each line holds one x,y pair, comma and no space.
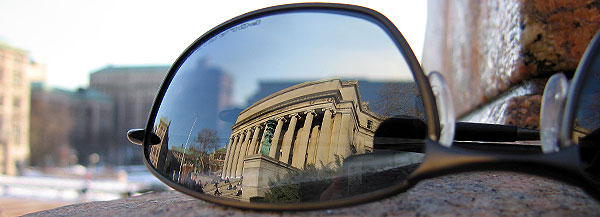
206,142
399,99
51,125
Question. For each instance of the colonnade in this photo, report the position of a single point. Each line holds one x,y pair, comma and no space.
307,137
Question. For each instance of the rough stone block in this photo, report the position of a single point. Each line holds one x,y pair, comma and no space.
465,194
485,47
258,171
520,106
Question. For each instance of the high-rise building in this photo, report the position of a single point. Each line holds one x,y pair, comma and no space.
15,66
133,89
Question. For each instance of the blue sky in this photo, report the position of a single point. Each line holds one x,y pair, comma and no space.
335,46
284,47
76,37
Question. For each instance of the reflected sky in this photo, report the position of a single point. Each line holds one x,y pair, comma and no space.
304,46
226,71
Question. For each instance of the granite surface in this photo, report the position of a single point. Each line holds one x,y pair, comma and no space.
520,106
484,48
466,194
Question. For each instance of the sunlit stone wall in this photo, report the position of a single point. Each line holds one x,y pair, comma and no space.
14,108
486,48
310,123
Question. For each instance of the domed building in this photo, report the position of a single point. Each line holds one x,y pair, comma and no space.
311,123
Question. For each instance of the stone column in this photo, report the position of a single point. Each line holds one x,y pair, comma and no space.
335,131
302,145
243,149
262,137
323,143
233,159
275,140
343,143
227,153
286,144
311,154
252,149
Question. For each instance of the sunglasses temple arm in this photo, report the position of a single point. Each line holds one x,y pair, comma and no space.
563,166
466,131
136,136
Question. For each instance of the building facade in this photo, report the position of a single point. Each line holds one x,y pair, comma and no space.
15,66
133,89
158,152
217,159
312,123
52,122
92,132
67,123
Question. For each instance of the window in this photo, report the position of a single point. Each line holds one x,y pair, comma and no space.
369,124
2,134
19,59
17,102
17,77
16,133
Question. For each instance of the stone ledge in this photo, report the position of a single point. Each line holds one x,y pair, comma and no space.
520,106
466,194
483,48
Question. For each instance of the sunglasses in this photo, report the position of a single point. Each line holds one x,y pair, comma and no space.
311,106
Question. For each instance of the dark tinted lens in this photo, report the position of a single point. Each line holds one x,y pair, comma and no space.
285,108
586,120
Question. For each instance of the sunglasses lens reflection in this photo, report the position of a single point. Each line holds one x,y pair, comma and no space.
587,113
292,107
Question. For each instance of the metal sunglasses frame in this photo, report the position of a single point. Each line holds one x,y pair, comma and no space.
439,160
564,165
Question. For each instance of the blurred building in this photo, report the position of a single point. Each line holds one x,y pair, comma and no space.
133,89
37,73
68,126
51,125
15,66
93,131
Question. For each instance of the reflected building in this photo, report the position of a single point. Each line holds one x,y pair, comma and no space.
217,159
158,152
312,123
371,91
